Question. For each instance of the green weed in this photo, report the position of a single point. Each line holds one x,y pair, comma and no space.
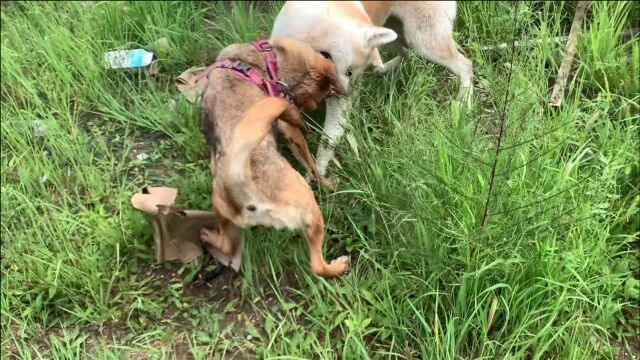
551,272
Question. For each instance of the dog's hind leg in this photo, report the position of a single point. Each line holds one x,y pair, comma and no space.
446,53
430,32
225,238
315,235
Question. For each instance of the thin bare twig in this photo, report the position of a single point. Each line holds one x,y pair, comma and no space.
537,157
503,115
552,224
443,181
571,187
468,153
625,35
524,43
570,50
511,146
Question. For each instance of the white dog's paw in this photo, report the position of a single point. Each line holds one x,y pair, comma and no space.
465,96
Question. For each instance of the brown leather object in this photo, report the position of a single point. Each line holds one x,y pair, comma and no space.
177,232
190,84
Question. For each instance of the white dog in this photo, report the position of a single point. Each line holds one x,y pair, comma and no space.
350,32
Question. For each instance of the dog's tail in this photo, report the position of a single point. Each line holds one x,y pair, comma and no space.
247,134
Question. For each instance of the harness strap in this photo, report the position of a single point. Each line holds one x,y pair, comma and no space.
264,47
270,86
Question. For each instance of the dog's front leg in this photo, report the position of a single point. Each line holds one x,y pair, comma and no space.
337,111
298,145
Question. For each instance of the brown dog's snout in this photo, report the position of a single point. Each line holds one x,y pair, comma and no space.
337,89
329,70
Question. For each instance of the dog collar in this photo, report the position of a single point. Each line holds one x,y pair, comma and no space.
271,86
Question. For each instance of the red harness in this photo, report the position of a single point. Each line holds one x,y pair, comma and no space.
271,86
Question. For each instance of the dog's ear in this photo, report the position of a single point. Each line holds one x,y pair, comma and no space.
376,36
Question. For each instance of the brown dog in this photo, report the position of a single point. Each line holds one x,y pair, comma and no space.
254,184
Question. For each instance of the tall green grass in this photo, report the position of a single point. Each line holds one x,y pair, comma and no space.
551,273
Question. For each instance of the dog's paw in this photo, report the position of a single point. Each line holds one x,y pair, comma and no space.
327,184
309,178
313,184
465,96
207,235
324,182
338,266
213,238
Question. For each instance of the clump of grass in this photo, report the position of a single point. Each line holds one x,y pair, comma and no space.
552,273
611,64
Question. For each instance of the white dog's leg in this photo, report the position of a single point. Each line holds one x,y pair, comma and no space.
445,52
429,30
336,114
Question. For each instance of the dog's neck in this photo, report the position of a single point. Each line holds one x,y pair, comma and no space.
248,54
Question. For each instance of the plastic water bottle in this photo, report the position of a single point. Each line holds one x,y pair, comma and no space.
135,58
